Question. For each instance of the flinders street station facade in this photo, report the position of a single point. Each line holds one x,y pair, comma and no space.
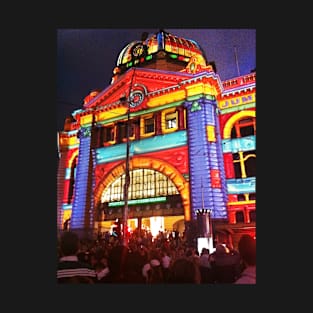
180,139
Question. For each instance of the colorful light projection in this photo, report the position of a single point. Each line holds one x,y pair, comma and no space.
243,185
173,171
207,178
143,51
78,218
138,201
147,145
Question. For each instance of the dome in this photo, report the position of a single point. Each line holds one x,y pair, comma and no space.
145,53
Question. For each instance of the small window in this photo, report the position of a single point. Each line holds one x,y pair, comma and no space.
244,127
149,125
171,120
241,198
245,164
108,133
250,163
122,132
252,215
239,217
252,196
246,131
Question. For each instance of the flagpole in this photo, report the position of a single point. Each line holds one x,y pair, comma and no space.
236,60
127,180
127,176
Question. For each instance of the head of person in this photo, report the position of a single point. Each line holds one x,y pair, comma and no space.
183,271
117,260
220,249
69,243
247,249
205,251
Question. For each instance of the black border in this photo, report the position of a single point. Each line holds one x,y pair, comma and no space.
36,232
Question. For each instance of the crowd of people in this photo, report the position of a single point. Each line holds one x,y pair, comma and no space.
147,260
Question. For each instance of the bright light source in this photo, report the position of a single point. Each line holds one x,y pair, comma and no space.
204,242
156,225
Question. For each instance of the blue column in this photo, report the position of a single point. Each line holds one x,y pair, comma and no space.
204,156
82,210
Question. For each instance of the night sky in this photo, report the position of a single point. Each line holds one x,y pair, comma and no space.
87,57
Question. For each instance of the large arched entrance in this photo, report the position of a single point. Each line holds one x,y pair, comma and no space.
158,195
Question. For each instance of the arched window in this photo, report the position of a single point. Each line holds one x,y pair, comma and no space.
244,161
244,127
245,164
144,183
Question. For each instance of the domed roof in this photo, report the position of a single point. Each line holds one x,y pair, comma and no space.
141,53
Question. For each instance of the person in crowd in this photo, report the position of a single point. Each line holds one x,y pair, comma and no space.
152,270
225,265
176,237
193,255
117,261
155,274
135,261
205,266
166,261
70,269
100,263
107,261
247,251
183,271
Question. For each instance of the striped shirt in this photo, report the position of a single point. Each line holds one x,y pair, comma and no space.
69,268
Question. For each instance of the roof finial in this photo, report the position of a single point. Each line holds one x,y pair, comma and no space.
144,36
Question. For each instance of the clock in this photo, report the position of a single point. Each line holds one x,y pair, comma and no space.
138,50
136,98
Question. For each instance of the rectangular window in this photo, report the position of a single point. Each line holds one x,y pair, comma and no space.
247,131
132,131
252,196
240,217
252,216
241,198
121,132
108,133
171,120
149,125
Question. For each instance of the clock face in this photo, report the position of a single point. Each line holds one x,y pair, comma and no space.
136,98
137,50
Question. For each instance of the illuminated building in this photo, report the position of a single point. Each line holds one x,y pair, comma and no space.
191,145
